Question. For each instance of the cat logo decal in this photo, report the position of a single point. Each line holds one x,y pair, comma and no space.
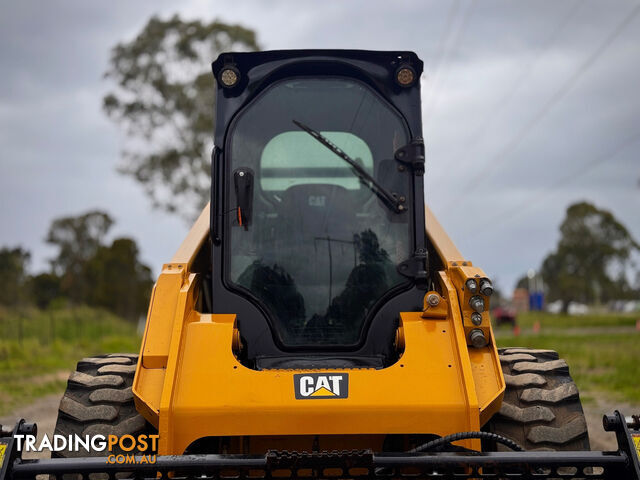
310,386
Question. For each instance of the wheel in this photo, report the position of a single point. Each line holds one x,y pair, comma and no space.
98,400
541,409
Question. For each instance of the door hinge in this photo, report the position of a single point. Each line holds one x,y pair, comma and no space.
416,268
412,154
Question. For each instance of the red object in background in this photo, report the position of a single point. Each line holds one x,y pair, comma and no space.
536,326
516,330
520,300
502,315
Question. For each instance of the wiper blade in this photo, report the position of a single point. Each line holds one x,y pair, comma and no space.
388,198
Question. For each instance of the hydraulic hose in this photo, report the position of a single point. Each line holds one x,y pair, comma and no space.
465,435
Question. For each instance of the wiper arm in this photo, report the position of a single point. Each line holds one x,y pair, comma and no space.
388,198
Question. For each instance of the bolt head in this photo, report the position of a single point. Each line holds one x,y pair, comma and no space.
471,285
486,288
477,303
433,299
477,338
476,318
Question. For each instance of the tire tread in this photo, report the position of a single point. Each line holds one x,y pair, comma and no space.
541,409
99,400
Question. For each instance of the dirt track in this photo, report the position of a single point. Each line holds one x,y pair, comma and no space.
601,440
45,410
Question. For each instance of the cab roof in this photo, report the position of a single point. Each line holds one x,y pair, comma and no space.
257,70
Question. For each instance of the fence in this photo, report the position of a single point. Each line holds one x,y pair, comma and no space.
69,324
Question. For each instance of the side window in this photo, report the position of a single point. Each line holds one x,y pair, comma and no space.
295,158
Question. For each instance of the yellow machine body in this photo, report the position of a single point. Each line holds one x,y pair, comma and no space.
190,385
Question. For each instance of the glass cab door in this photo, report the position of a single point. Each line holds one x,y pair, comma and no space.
309,238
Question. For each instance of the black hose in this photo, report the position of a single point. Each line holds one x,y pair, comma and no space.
464,435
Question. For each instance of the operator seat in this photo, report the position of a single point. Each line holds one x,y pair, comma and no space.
318,222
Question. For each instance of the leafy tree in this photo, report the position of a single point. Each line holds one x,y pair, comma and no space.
523,282
13,275
44,288
164,99
77,240
591,260
117,280
90,272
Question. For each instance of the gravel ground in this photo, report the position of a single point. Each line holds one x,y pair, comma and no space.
599,439
43,412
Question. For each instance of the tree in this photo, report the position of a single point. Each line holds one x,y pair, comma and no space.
590,263
13,275
88,271
77,240
523,282
44,288
117,280
164,99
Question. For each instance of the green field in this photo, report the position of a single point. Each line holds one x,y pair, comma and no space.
562,321
39,348
602,358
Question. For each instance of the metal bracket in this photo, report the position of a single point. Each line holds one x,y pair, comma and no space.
9,452
416,268
413,155
351,464
617,423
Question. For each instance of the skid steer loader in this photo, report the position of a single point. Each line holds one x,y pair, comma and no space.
317,321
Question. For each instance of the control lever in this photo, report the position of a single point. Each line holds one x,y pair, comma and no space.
243,183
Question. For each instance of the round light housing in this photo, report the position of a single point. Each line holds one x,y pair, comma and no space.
229,77
405,76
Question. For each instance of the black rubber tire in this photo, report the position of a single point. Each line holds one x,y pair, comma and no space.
541,409
98,400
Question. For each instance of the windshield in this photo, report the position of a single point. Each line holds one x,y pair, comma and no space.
309,240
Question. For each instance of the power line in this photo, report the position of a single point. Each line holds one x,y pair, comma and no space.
539,198
455,39
453,10
555,98
520,80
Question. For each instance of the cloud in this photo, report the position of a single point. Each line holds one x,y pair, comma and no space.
59,152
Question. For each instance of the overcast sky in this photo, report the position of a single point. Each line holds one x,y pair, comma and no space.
528,107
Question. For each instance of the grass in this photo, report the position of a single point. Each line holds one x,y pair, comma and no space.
39,348
599,363
561,321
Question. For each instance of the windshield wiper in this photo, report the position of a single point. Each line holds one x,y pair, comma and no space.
388,198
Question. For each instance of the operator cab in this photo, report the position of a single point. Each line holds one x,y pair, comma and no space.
318,204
